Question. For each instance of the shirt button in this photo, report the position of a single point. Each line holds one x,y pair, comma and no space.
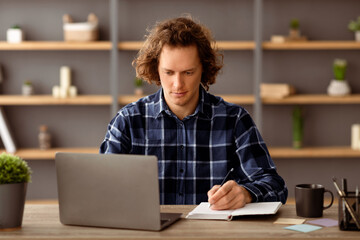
181,194
181,170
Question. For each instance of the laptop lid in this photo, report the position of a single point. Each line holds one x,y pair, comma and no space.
109,190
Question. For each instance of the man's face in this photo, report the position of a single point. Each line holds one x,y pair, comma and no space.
180,72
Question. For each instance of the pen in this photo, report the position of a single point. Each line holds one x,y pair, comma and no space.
344,188
225,180
341,194
226,177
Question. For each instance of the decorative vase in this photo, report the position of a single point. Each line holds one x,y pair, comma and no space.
357,36
12,202
338,88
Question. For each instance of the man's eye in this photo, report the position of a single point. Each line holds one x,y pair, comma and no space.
189,73
168,73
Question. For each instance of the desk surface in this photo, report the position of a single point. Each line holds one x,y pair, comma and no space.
42,221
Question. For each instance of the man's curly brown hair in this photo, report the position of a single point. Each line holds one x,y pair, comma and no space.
178,32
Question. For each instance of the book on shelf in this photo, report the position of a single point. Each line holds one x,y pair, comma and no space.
203,211
5,134
276,90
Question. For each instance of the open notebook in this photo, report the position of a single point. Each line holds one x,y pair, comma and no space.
202,211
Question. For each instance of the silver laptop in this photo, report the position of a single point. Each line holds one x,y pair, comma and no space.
110,190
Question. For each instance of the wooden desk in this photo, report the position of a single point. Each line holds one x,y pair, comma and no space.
42,221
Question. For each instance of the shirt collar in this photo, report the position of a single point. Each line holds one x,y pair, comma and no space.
161,106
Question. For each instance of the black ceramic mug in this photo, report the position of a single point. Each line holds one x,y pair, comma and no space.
309,200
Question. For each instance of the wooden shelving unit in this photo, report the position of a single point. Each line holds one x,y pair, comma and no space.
314,99
50,100
37,154
314,152
312,45
55,45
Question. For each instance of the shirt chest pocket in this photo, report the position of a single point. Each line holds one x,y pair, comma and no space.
147,146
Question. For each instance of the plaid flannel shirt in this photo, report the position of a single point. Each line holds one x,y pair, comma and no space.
197,152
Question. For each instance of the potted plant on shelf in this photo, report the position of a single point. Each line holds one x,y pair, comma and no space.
138,82
294,31
14,34
355,27
14,176
27,88
339,86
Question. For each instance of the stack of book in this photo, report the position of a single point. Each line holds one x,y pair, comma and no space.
276,90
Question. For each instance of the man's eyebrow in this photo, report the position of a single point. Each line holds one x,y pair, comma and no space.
186,70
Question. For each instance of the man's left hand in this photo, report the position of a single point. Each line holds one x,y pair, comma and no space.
229,196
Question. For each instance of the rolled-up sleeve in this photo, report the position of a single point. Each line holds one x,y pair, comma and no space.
257,170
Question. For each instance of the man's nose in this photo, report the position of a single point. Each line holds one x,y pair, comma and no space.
178,81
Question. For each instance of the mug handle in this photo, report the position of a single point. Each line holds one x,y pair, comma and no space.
332,199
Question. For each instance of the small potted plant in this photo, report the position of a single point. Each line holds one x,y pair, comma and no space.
138,82
339,85
14,176
294,31
14,34
27,88
354,26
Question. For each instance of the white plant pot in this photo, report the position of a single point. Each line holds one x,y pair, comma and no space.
14,35
338,88
27,90
357,36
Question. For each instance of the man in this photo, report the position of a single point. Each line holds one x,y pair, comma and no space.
196,136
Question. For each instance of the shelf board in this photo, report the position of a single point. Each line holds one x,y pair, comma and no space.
236,45
37,154
314,99
50,100
237,99
8,100
224,45
136,45
314,152
312,45
275,152
56,45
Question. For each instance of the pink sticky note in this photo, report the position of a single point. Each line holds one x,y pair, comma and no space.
325,222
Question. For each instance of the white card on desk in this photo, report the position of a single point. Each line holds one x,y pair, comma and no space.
202,211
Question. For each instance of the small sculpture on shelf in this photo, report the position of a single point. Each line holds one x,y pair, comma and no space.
339,86
298,123
44,138
27,88
81,31
138,82
15,34
354,26
65,89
